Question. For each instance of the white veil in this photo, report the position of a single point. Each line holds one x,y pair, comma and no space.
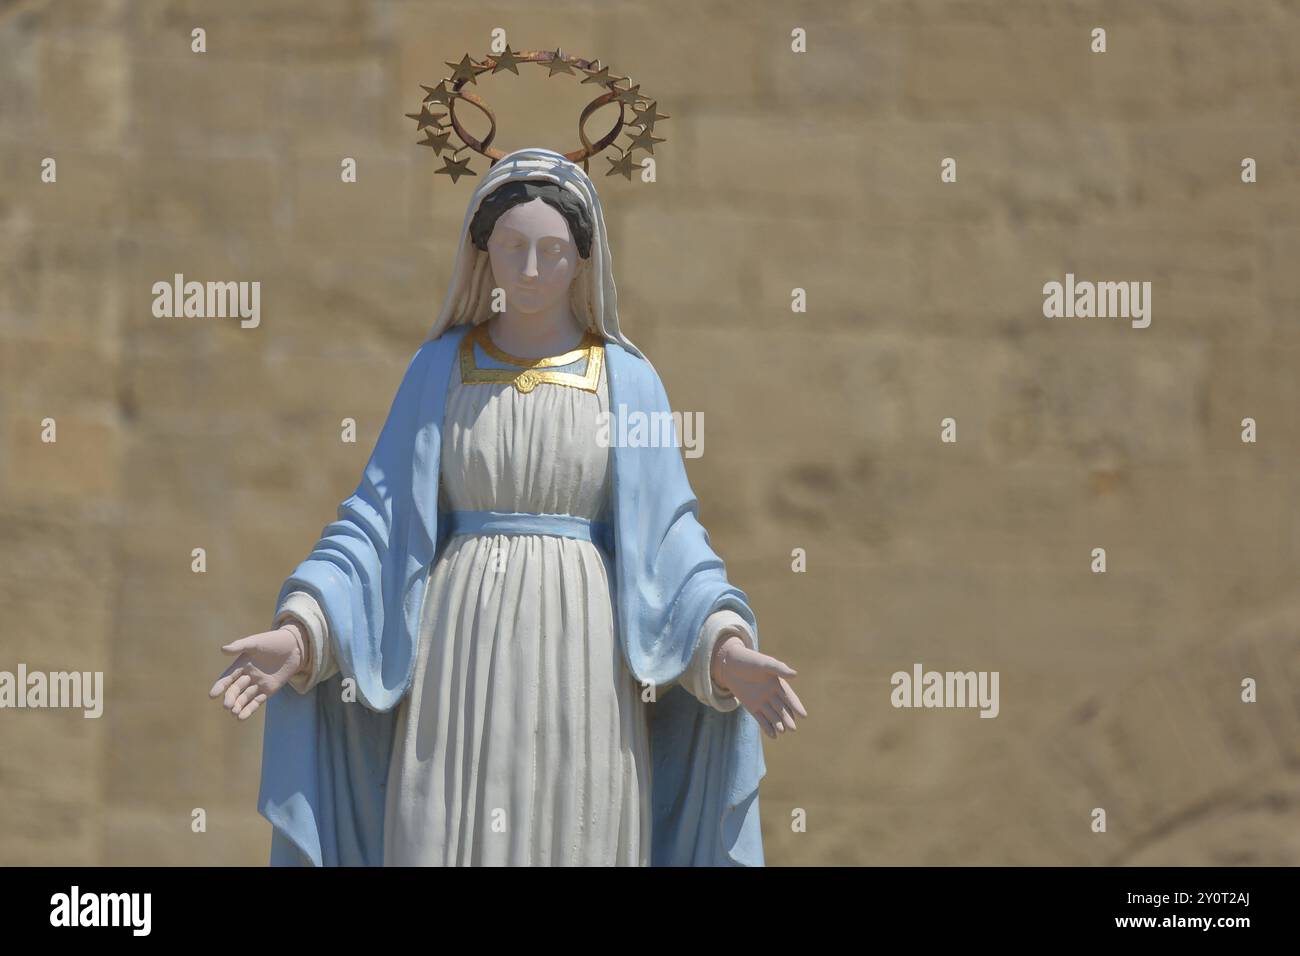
595,301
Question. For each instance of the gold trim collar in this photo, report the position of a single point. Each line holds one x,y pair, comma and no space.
532,372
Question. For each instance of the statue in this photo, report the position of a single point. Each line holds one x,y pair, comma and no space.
515,645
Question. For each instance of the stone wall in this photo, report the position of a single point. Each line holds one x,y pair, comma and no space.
819,171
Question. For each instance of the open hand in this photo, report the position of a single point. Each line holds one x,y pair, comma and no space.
759,682
265,663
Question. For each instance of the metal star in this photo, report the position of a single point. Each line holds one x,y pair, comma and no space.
645,140
466,69
436,141
647,115
622,165
628,96
506,61
425,119
601,76
438,94
558,64
456,168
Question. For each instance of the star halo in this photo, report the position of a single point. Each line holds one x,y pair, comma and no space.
440,129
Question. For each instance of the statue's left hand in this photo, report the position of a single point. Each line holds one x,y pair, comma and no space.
759,682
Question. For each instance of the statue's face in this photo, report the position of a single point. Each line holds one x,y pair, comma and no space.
533,256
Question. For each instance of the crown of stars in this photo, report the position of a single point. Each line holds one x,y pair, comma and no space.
439,127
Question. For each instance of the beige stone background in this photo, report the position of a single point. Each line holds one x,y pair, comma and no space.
818,171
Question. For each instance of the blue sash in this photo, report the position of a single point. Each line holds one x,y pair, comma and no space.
501,522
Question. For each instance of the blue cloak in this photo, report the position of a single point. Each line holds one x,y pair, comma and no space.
325,761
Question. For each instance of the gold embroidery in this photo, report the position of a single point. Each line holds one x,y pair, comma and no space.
533,371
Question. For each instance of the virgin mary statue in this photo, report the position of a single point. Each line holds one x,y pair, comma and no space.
515,645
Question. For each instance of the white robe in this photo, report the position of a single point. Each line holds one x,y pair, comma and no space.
523,739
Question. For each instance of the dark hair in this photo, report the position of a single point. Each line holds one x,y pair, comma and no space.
495,204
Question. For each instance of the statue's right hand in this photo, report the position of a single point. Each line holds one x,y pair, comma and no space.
265,663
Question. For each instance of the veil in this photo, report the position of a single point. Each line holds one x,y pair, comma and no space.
595,300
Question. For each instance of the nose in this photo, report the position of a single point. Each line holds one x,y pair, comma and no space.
530,264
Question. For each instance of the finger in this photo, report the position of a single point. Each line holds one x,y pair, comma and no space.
781,667
763,722
792,699
235,689
251,691
773,717
255,703
783,712
228,677
238,647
